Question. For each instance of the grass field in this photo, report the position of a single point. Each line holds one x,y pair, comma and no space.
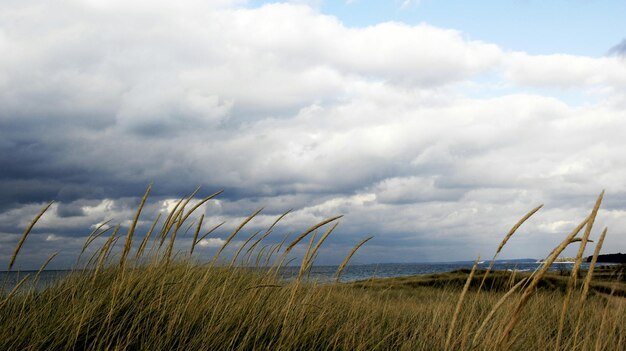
146,298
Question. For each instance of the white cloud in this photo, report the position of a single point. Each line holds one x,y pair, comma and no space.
53,237
151,67
566,71
288,108
211,242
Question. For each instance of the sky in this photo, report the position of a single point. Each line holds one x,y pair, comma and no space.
431,125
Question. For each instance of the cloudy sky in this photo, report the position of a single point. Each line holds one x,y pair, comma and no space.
432,125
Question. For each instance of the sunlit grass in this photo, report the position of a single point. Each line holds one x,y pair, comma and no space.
155,300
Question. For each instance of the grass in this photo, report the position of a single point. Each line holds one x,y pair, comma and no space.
156,300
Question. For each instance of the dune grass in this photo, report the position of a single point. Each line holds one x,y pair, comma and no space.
157,300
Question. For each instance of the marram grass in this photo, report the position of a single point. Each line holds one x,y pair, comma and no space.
153,300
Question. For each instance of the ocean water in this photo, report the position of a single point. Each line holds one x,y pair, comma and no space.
385,270
324,273
9,280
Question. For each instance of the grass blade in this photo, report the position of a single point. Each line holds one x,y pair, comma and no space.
131,230
343,264
26,232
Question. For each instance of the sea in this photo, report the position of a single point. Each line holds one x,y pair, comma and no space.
326,273
388,270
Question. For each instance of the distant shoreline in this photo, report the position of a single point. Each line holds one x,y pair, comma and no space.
618,258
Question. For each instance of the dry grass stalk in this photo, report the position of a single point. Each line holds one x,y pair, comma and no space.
144,241
585,291
170,246
175,215
43,266
166,225
209,232
592,265
250,249
104,252
93,236
515,228
174,306
299,238
14,291
343,264
507,237
110,251
494,309
459,303
173,222
273,249
131,230
181,210
306,255
501,246
530,289
195,235
193,223
279,262
282,242
92,258
234,260
599,340
196,206
179,217
23,238
308,231
267,232
260,256
296,284
232,235
309,262
574,274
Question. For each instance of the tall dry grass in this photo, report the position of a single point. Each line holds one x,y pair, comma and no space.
162,301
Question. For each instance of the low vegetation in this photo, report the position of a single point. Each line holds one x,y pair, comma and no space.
146,297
